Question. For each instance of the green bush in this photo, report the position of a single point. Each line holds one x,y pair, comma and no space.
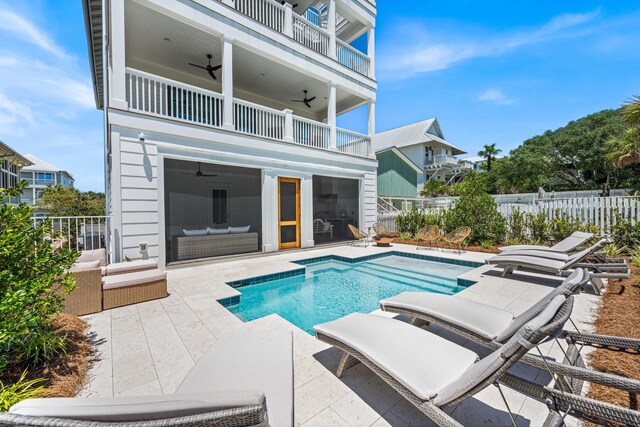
29,270
538,226
626,232
10,394
517,225
435,188
412,221
477,209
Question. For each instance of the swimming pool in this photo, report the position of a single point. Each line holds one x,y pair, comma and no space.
331,288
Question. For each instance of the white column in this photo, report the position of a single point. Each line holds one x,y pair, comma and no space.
288,125
371,52
331,28
288,19
116,57
331,114
372,124
306,211
227,82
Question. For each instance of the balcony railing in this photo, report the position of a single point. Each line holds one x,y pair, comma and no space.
283,20
441,159
162,97
79,232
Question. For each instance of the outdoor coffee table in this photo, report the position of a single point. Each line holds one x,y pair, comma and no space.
384,241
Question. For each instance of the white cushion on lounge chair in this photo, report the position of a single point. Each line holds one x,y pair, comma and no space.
577,238
130,279
122,267
138,408
93,255
557,256
421,361
484,320
528,261
262,360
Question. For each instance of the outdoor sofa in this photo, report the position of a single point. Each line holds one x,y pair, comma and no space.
244,379
211,242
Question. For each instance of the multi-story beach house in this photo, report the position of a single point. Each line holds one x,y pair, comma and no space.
40,174
424,145
11,163
221,123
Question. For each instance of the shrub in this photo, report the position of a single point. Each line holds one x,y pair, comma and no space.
625,231
29,271
10,394
477,209
539,226
517,225
413,220
561,226
435,188
634,254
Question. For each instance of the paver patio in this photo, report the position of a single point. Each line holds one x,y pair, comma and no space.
149,348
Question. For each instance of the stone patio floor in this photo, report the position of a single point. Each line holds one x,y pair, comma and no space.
149,348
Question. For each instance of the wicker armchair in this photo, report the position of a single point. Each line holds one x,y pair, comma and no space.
383,231
430,234
358,235
86,297
456,237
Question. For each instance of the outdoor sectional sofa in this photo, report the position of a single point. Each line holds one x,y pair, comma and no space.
213,242
244,379
100,286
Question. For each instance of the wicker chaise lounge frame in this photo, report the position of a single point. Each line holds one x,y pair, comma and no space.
429,234
86,297
239,417
457,236
557,400
383,231
358,235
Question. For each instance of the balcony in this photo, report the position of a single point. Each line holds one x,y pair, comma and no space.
284,20
440,160
158,96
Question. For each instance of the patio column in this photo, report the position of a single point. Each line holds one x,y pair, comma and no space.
331,114
227,82
288,125
371,52
372,124
116,58
331,28
288,20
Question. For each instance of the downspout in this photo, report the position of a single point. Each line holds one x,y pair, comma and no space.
105,102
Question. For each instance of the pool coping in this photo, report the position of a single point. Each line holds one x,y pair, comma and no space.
235,284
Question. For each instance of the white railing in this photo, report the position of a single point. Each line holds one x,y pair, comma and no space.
311,133
258,120
267,12
441,159
313,16
163,97
79,232
352,58
310,35
352,142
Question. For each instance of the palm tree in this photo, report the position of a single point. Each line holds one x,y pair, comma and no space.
625,149
489,153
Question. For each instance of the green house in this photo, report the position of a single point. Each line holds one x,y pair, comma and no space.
397,174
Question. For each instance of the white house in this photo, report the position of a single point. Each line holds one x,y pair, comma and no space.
424,144
11,163
41,174
221,128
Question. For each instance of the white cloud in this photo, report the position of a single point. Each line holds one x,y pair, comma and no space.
495,96
26,30
420,53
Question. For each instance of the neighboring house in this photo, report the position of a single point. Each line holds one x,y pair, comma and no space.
397,174
424,144
476,162
195,153
41,174
11,163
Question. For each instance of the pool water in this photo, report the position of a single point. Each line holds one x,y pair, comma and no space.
332,289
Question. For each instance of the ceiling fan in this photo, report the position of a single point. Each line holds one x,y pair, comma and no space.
307,101
293,6
199,173
209,68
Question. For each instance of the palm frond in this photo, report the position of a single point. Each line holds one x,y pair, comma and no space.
631,111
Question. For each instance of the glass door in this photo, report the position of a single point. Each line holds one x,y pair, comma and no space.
289,212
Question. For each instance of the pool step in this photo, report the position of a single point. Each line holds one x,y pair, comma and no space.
421,284
412,274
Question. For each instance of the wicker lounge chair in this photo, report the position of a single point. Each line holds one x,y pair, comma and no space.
383,231
358,235
244,379
457,236
430,234
435,374
492,327
574,241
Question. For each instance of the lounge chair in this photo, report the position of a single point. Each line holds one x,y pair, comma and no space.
456,237
358,235
429,234
574,241
383,231
435,374
492,327
244,379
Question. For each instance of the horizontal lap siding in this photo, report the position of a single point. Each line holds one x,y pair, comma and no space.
395,177
369,200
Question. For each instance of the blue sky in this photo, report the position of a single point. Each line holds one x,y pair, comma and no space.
492,72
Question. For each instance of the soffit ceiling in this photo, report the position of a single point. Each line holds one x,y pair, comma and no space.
256,78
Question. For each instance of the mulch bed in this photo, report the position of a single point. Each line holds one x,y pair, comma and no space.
67,373
618,315
414,242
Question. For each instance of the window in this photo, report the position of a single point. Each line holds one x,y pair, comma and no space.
220,198
45,176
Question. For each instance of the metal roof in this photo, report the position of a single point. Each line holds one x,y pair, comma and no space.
413,134
39,165
17,158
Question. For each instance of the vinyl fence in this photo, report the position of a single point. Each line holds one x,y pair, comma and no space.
79,232
603,212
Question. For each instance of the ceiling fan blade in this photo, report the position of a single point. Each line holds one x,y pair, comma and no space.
307,103
210,71
217,67
205,174
296,100
311,99
199,66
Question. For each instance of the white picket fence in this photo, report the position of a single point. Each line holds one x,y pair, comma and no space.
602,212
